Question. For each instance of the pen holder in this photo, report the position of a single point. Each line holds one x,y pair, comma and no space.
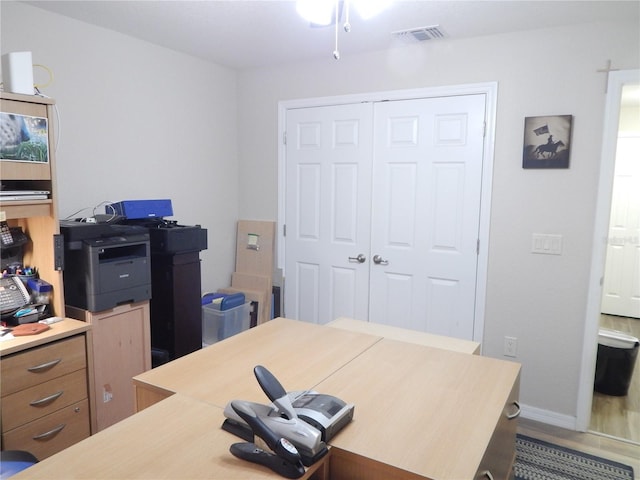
41,291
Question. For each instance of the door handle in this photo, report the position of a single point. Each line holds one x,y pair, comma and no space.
50,433
360,258
516,413
44,366
378,260
46,400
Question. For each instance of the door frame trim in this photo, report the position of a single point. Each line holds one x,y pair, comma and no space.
615,82
489,89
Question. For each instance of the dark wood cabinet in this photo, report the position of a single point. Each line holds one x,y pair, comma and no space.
176,313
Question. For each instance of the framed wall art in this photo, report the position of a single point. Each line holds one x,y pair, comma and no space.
23,138
547,141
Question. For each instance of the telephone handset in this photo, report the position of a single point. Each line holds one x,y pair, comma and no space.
12,237
285,459
13,295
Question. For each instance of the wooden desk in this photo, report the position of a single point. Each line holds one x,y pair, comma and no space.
404,335
63,329
421,412
179,438
46,392
299,354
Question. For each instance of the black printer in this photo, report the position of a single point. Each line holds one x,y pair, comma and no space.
169,237
105,265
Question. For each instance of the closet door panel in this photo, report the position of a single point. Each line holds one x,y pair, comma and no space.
327,214
427,173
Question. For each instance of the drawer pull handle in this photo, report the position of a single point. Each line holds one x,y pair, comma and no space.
46,400
486,474
516,413
50,433
44,366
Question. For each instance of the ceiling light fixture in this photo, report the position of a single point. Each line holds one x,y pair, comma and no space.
317,12
326,12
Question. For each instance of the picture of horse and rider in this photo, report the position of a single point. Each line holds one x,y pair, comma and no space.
547,141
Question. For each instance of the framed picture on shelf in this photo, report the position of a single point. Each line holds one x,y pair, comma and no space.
24,138
547,141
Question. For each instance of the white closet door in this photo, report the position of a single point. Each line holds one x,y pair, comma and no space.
398,182
426,206
328,211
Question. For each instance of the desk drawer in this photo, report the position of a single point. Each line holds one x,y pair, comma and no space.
500,455
26,369
34,402
51,433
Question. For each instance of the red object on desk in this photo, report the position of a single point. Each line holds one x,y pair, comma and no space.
29,329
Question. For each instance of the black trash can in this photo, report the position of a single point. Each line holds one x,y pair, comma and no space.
617,354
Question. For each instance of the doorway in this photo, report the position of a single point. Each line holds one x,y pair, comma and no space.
619,416
307,293
607,278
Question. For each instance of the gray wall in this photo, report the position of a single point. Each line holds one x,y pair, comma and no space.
140,121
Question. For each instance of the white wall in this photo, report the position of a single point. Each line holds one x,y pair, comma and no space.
539,299
138,121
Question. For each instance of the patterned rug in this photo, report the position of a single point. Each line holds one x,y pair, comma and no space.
539,460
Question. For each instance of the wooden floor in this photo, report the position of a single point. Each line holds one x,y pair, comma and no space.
619,416
591,443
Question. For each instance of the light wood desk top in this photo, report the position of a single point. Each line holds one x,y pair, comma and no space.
420,412
299,354
178,438
63,329
427,411
410,336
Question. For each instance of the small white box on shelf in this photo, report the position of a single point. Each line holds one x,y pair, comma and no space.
220,324
17,72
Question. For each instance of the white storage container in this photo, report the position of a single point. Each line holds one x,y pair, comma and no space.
220,324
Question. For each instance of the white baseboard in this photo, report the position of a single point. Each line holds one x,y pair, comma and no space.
548,417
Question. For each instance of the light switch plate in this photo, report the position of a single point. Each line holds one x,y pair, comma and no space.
546,244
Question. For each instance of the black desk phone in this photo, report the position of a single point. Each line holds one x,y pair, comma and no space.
13,295
12,237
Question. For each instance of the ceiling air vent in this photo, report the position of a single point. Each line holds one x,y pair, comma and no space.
419,34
